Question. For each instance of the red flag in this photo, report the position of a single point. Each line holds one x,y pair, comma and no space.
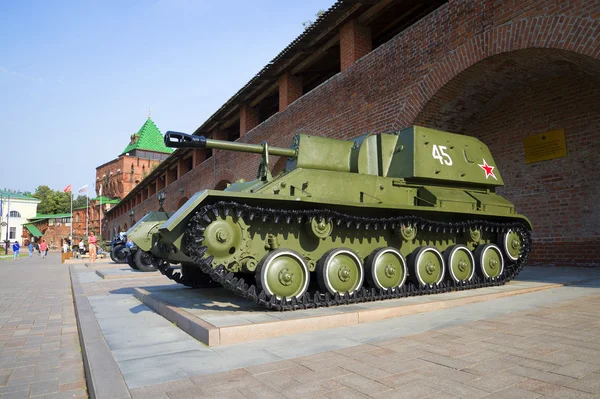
67,189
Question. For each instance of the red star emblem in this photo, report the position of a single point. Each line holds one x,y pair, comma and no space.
489,170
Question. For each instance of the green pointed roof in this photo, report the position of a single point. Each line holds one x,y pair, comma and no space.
149,138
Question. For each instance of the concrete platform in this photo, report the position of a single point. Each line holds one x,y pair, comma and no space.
217,317
79,261
103,265
124,272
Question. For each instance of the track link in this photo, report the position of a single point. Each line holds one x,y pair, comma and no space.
189,280
237,285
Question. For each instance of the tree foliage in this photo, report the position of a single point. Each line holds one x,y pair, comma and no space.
56,201
318,14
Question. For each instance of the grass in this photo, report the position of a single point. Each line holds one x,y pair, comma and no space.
10,255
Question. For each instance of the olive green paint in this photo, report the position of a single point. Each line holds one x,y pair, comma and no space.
417,171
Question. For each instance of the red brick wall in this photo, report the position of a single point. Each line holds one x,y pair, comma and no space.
510,96
93,224
248,119
118,184
560,196
290,89
355,42
419,76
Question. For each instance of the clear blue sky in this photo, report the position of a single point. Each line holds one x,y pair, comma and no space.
77,77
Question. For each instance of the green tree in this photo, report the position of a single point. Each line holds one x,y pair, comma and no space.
56,201
48,199
79,202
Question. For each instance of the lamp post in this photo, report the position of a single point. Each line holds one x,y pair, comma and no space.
6,241
162,196
3,223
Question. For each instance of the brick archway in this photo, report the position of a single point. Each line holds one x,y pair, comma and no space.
224,177
526,33
279,166
508,96
222,185
488,82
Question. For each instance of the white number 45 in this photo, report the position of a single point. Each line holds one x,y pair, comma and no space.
439,153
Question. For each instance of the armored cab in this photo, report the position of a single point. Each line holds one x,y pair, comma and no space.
380,216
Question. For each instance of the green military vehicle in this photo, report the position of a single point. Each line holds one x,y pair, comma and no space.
139,256
381,216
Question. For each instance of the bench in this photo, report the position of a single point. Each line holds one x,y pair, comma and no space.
87,256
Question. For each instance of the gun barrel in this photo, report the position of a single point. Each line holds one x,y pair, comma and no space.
183,140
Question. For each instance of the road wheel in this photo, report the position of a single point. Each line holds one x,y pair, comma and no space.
386,268
428,265
131,260
490,260
283,273
510,243
460,262
118,255
143,260
339,271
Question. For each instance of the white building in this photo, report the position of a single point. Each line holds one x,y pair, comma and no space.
15,210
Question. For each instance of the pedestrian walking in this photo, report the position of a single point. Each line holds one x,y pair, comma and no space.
37,247
16,248
31,247
92,241
44,249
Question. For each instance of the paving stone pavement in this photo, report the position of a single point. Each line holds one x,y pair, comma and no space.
542,344
40,354
549,351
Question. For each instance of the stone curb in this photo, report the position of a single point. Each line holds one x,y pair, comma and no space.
103,377
212,335
196,327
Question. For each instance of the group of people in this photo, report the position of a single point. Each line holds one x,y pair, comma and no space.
92,246
42,249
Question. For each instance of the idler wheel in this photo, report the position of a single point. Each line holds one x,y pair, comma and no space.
283,273
510,242
339,271
223,238
143,261
489,260
428,265
386,268
461,263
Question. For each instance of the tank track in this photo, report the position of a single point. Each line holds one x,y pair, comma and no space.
237,285
179,277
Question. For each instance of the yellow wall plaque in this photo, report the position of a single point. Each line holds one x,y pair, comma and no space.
544,146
